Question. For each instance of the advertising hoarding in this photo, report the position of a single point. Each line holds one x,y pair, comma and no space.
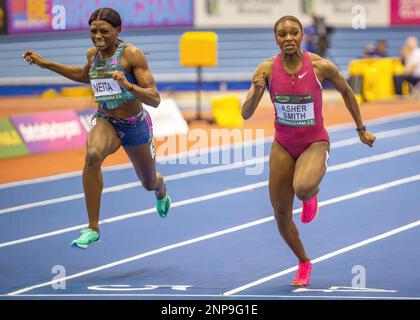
29,16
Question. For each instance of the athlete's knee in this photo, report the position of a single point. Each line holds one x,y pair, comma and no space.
304,192
93,158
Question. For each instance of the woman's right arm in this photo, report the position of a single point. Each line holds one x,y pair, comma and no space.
256,92
79,74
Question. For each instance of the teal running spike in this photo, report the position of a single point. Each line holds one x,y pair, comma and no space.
87,237
163,205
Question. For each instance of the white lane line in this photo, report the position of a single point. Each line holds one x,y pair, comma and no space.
141,213
334,128
156,295
187,174
342,166
121,187
374,122
379,135
227,231
326,257
337,167
375,158
163,159
147,254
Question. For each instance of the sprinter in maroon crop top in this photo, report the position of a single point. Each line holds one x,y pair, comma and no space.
299,154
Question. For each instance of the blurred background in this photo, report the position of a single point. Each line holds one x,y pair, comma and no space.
373,43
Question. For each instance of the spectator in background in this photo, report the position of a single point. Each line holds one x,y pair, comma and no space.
377,50
317,36
311,39
323,33
381,49
369,51
411,43
411,55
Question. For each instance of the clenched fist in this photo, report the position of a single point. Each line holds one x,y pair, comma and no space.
32,57
259,81
122,80
367,137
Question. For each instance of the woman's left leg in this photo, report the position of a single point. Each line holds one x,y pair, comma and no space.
309,171
143,159
310,168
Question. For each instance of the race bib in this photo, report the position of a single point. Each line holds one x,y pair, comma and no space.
107,87
295,110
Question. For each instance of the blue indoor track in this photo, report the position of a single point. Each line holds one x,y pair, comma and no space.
220,240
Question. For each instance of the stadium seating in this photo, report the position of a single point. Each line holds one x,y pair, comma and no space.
239,53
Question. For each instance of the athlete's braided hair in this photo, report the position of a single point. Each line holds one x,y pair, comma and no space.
106,14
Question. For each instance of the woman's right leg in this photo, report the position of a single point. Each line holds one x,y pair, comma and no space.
102,141
282,168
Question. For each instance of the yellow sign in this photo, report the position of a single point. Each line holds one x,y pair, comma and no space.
38,10
11,144
10,138
198,49
377,75
226,111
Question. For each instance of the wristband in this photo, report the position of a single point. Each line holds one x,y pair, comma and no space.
361,129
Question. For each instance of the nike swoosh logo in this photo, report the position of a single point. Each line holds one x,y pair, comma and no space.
302,75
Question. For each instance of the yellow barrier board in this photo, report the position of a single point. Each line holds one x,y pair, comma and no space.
76,92
226,111
198,49
377,75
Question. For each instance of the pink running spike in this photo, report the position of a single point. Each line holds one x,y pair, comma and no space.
303,274
309,209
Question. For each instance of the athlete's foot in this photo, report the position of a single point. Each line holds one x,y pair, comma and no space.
163,205
87,237
303,274
309,209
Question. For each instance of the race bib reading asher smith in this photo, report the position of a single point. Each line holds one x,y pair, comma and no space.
106,88
295,110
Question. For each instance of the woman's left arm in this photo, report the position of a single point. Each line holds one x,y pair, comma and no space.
146,89
331,73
